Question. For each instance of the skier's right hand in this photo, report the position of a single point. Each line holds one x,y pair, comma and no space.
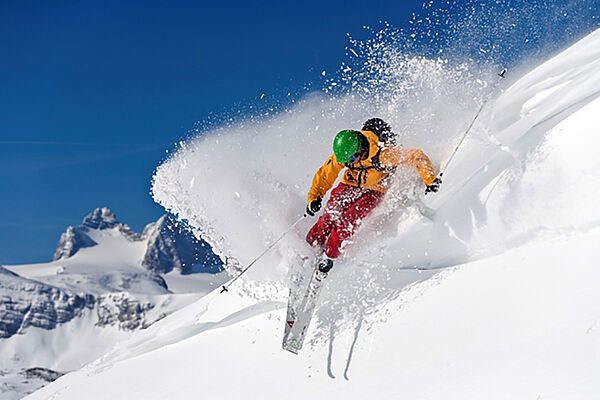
313,207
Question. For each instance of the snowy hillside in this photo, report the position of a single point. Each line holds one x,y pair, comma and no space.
106,282
514,326
488,289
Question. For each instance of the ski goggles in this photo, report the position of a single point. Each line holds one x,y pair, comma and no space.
355,157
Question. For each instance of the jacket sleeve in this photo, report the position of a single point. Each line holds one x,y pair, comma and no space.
324,178
416,158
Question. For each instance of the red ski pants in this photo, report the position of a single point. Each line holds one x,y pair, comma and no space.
346,207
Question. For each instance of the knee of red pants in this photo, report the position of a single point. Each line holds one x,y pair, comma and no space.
351,218
316,235
334,243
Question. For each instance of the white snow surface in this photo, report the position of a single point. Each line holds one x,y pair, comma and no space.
488,289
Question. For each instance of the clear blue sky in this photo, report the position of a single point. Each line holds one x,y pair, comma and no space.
92,93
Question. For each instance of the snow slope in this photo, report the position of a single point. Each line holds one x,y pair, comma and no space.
481,330
493,294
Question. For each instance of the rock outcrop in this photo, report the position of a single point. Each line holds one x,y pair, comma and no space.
71,242
124,311
171,246
25,303
44,374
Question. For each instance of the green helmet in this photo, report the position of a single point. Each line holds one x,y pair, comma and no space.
345,145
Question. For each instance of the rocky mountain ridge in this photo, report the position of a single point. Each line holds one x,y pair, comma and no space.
169,245
25,302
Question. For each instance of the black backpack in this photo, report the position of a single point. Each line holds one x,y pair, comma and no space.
381,128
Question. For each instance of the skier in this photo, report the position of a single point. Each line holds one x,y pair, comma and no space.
370,156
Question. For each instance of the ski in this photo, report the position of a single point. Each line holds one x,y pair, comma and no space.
297,288
293,301
299,318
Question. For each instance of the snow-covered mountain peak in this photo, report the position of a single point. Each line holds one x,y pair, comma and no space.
81,236
167,244
172,247
71,242
101,218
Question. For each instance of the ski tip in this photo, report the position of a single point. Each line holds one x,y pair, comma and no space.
291,346
291,350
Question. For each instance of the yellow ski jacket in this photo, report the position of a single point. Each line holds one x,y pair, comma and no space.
372,172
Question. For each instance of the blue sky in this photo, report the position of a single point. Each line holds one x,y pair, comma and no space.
92,93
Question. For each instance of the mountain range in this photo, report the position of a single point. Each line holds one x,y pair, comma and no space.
105,279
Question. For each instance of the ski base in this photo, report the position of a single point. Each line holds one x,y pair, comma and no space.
298,318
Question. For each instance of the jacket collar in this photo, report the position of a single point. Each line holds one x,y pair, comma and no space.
373,143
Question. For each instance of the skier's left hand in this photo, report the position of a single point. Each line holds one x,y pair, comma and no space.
433,186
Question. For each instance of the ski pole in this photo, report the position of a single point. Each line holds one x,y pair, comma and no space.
442,170
225,287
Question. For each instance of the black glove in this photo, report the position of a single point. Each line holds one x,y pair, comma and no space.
434,186
313,207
